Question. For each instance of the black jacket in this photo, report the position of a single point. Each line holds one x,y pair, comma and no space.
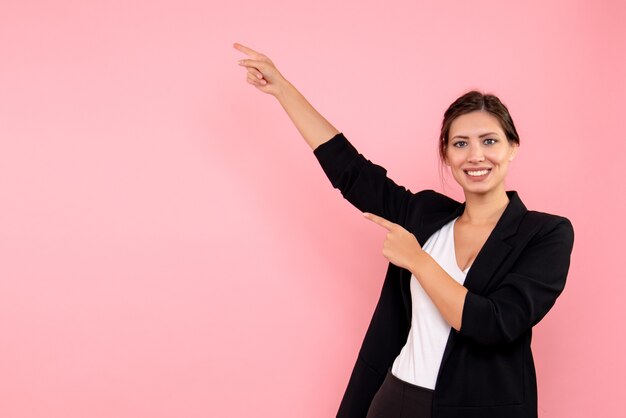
487,368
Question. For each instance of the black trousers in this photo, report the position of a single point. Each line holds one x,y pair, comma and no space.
399,399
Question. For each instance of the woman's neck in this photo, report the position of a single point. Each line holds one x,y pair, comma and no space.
484,209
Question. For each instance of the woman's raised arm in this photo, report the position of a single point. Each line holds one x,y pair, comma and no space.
262,73
361,182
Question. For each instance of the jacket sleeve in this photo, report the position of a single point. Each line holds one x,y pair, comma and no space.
527,292
360,181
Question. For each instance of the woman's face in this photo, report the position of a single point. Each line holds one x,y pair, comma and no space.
478,152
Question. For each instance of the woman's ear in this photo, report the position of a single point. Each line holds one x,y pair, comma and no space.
513,152
445,156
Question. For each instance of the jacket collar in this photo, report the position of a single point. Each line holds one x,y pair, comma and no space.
496,248
493,252
505,227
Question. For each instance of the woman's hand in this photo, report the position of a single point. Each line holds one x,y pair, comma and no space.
262,72
401,247
403,250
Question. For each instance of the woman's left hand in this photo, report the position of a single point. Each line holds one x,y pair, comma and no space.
401,247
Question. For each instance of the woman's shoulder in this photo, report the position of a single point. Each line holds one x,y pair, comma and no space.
545,224
428,201
547,218
434,197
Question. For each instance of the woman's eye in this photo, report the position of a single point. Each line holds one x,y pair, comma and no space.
456,144
491,139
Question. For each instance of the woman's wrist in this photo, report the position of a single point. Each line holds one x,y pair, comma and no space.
419,260
283,89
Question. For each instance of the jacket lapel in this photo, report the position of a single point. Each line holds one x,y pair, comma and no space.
496,247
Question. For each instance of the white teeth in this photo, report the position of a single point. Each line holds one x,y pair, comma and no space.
477,173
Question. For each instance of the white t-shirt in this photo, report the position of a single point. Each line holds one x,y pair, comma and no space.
419,360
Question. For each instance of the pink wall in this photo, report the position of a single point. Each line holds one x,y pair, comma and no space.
169,246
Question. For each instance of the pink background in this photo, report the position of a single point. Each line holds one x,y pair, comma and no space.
170,247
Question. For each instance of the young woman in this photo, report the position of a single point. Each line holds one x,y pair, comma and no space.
451,333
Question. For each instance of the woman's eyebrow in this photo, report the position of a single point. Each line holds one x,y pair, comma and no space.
480,136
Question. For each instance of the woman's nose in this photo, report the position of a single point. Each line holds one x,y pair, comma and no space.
476,153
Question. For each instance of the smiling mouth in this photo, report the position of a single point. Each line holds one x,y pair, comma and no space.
477,173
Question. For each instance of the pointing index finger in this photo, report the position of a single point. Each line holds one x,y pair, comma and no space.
379,220
245,49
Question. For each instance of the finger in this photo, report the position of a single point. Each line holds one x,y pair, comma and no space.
256,73
379,220
254,80
256,83
260,65
245,49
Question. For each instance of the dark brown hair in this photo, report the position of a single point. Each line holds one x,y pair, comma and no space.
470,102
